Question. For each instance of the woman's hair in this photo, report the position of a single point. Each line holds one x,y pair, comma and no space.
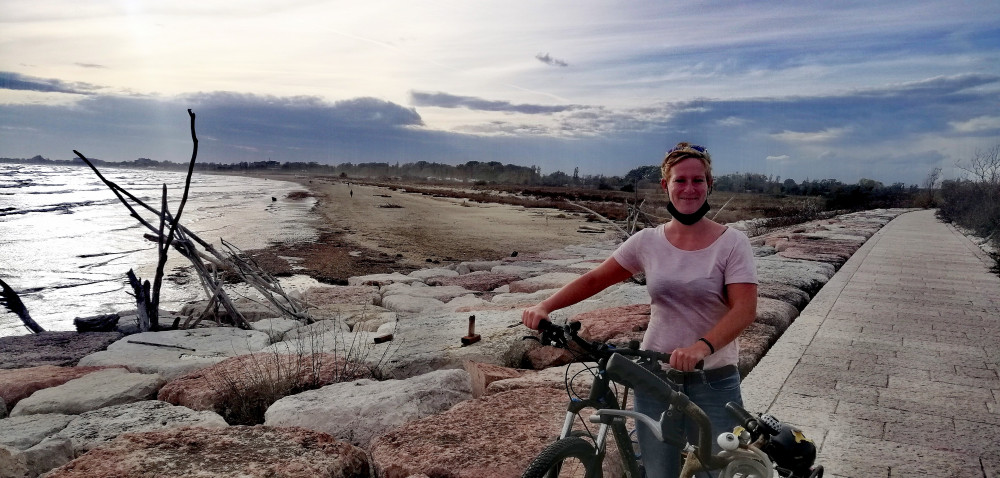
683,151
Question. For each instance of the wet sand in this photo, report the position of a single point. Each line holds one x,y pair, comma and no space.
367,229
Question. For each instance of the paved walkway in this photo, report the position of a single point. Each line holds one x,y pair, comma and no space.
892,368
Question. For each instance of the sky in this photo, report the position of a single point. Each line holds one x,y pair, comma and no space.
842,90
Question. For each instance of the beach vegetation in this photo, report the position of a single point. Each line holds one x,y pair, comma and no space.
973,202
252,383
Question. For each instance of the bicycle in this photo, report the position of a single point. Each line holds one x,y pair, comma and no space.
761,447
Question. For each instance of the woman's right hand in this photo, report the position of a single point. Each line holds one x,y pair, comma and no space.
533,315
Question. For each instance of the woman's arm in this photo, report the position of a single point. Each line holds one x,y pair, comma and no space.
742,301
610,272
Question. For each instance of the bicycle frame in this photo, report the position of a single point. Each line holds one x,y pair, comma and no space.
601,397
741,456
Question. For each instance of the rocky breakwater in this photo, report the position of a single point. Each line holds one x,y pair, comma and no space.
109,404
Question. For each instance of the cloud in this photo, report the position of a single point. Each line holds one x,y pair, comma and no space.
548,60
975,125
15,81
891,134
732,121
89,65
828,134
445,100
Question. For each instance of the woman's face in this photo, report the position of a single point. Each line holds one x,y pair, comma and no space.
687,186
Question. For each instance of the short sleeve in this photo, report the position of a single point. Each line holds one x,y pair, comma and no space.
629,253
741,267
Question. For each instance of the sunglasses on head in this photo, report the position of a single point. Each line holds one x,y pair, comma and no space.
689,148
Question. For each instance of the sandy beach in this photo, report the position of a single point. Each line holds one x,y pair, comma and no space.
367,229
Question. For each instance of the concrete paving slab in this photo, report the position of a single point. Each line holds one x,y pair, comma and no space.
893,366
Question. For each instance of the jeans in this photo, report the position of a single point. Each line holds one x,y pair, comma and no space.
662,460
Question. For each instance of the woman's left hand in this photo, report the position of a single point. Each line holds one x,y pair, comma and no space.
686,358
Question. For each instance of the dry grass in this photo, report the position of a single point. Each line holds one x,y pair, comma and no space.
252,383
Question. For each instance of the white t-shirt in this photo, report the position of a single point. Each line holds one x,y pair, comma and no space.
688,288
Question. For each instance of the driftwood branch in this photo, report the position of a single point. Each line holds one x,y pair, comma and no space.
12,301
164,243
609,221
142,304
186,243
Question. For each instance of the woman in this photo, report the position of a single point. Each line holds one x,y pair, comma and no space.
702,281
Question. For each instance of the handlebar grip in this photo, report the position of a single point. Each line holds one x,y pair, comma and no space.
739,412
634,376
747,420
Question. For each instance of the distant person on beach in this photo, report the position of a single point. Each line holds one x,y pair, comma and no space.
702,281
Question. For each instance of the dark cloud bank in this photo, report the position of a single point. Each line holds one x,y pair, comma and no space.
810,135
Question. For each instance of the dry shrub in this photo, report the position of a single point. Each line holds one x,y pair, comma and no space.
253,382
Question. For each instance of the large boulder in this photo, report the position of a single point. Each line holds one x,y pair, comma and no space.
470,441
26,449
785,293
420,290
103,388
27,431
429,342
19,383
582,375
754,342
479,281
361,410
92,429
331,295
424,274
408,304
808,276
380,280
34,461
244,452
817,248
52,348
481,375
475,266
174,353
775,313
551,280
372,316
251,310
617,324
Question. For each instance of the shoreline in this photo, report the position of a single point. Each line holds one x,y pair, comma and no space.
364,229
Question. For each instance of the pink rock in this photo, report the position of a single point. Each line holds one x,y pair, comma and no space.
615,324
473,308
483,374
205,388
545,357
754,342
359,294
477,281
826,250
551,280
468,441
237,451
20,383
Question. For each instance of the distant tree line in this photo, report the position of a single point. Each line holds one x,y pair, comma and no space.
866,193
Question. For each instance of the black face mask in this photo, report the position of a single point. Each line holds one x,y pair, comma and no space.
688,219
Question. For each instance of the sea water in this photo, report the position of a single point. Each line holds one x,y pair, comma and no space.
67,242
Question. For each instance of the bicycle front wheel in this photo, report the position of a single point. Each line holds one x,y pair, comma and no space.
570,457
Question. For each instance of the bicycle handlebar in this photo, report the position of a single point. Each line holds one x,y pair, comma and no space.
553,334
